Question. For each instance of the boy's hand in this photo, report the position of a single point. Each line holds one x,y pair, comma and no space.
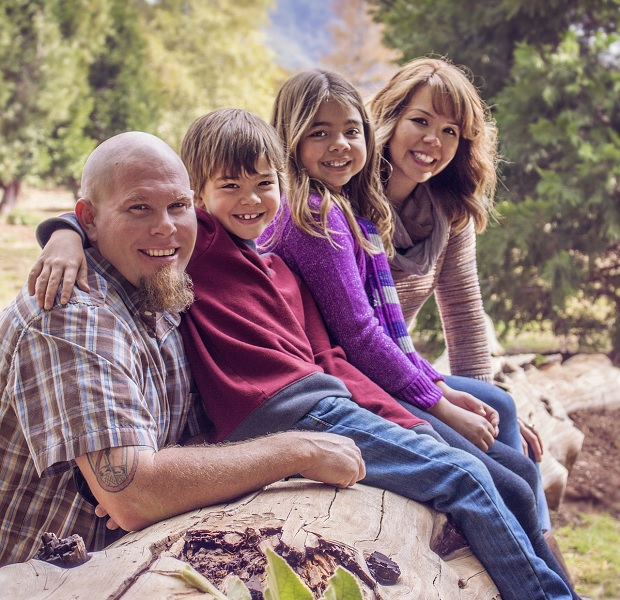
61,261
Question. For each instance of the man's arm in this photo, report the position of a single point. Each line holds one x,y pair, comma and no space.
138,486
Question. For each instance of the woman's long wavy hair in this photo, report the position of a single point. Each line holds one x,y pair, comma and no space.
296,105
466,187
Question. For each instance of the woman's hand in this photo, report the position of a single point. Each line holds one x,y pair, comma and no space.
531,438
61,261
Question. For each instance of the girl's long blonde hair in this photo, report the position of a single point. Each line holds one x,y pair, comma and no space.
296,105
466,187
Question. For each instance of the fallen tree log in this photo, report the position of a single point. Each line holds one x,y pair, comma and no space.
314,526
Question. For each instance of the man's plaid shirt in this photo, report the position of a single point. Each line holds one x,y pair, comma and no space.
92,374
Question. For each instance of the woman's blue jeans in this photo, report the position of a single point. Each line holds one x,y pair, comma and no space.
423,469
509,431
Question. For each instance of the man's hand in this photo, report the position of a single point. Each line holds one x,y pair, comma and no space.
62,261
336,460
101,512
137,486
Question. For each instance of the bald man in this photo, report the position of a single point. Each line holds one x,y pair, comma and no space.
98,389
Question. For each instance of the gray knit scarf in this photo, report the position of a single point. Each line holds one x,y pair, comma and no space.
417,258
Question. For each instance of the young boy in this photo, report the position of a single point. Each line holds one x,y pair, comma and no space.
263,361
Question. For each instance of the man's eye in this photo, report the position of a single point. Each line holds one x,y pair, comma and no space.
138,207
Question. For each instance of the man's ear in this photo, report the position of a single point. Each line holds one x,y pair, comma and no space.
85,213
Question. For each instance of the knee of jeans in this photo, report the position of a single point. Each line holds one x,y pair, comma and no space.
503,403
475,467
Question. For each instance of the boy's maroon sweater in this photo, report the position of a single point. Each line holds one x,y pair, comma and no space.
254,335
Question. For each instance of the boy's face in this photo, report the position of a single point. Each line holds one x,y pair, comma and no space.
244,205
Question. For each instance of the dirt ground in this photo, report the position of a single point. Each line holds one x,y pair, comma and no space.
594,481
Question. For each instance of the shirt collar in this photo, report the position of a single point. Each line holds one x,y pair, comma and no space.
127,291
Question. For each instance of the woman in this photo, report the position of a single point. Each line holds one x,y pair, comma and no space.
439,150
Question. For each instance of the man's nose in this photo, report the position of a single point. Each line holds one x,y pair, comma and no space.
164,224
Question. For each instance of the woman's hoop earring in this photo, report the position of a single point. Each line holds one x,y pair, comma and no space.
385,170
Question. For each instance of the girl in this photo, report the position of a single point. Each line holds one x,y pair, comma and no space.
332,234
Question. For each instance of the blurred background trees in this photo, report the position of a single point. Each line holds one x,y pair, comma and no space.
551,72
74,72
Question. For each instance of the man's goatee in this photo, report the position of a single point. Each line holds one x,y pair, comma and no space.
167,290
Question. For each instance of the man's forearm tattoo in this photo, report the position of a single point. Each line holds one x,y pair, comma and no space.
115,468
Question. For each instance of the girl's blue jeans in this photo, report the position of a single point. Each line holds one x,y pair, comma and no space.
451,481
509,432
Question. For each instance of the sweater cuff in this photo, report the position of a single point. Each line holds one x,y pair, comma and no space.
49,226
422,392
430,371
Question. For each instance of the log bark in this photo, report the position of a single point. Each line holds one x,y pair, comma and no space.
316,526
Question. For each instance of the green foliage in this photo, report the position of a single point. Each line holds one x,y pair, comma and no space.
210,54
551,72
75,72
20,217
482,34
124,89
282,583
558,239
40,78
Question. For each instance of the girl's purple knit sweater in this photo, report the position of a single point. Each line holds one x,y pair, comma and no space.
336,278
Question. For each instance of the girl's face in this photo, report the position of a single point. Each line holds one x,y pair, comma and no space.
423,143
246,204
333,148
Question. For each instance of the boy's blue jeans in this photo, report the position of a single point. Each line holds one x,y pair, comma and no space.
421,468
509,431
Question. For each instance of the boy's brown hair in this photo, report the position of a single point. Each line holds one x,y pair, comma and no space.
229,141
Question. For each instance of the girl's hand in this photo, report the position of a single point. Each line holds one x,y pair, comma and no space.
61,261
471,403
531,438
473,419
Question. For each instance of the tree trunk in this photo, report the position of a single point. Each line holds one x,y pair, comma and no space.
9,197
314,526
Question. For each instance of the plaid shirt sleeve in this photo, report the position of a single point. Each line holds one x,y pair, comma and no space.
68,366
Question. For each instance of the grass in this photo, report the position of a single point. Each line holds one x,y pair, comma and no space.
591,550
17,236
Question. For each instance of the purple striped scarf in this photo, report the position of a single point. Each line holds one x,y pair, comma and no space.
382,293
